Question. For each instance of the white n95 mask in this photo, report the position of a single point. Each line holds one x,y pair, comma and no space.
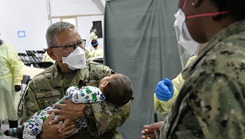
76,59
183,36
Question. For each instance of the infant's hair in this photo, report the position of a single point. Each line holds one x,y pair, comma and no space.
119,91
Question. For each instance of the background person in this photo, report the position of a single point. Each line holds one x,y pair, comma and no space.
11,74
71,69
97,52
167,91
211,101
47,58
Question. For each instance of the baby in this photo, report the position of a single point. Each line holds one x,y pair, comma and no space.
117,85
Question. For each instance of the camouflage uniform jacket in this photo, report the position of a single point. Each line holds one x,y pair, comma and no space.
211,103
49,86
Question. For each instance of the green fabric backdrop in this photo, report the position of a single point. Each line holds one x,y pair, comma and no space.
140,42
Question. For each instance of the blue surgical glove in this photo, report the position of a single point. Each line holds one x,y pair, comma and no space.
164,90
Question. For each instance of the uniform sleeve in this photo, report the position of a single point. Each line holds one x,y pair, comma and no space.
212,108
108,117
97,72
164,106
221,111
16,66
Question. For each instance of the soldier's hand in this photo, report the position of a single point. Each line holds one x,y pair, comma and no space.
51,131
68,112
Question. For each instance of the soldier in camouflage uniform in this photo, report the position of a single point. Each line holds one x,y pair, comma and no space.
211,103
49,86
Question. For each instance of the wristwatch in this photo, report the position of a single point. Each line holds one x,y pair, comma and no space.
87,111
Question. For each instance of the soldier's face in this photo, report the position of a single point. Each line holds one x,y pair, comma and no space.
63,38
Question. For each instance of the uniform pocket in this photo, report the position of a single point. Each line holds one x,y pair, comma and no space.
48,98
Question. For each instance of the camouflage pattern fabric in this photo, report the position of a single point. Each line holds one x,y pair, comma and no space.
211,103
49,86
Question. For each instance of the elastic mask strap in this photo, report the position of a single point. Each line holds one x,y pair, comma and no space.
202,15
183,6
207,14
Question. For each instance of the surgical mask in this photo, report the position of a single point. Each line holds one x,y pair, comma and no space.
183,36
76,59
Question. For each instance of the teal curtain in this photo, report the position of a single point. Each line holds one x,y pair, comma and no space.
140,42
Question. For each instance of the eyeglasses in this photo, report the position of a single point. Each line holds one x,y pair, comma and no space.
71,46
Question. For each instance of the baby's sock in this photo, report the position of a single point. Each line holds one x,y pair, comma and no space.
14,132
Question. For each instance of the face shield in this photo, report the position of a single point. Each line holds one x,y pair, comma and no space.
184,55
186,45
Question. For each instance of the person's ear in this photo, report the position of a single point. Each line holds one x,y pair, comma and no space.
104,84
51,53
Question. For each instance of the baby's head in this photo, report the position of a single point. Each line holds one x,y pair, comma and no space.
117,89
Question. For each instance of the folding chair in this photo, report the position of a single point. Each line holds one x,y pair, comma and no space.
24,83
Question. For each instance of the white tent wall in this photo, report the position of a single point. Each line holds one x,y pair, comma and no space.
24,23
76,7
84,25
141,43
85,11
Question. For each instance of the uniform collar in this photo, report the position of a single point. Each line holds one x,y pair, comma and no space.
234,28
58,77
